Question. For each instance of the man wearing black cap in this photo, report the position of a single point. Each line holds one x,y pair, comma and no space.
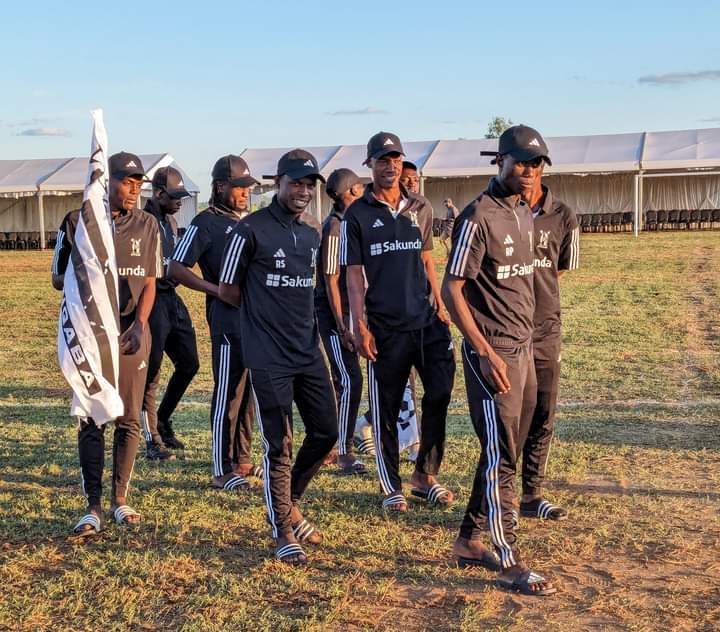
488,287
331,307
139,261
203,243
170,325
387,238
557,249
268,269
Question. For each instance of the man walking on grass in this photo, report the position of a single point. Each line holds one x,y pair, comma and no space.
170,325
488,287
139,261
268,270
387,240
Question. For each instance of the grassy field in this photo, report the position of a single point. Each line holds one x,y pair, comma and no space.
636,460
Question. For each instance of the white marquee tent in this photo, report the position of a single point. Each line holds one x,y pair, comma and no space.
595,174
36,194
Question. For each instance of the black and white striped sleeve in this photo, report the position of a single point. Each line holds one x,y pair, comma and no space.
193,244
569,256
350,241
468,249
330,246
238,252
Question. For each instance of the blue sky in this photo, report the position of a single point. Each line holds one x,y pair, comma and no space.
200,80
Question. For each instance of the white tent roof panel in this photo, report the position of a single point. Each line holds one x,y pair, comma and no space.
24,176
687,149
607,152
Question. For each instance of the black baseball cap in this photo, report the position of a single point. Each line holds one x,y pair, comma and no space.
234,170
297,164
522,143
341,180
409,165
170,180
382,144
125,165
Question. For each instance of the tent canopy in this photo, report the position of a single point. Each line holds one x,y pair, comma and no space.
605,153
59,176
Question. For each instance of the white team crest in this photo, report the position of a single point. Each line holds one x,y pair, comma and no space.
135,247
313,255
413,218
544,237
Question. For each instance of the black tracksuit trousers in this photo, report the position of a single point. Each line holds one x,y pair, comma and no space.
274,392
172,333
501,422
348,382
430,351
231,411
536,451
91,439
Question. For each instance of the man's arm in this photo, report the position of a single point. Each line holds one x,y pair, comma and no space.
330,248
61,256
185,276
131,338
431,274
238,253
492,366
364,340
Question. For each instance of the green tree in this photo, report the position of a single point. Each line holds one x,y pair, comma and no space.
497,126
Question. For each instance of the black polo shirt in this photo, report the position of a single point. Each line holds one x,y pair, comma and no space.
203,243
271,255
330,264
493,250
137,251
557,247
389,247
168,240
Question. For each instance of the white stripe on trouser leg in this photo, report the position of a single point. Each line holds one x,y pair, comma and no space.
82,482
492,483
375,416
145,426
266,461
220,402
344,407
492,486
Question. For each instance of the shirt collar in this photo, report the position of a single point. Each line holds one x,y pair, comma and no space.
281,214
370,197
501,195
224,211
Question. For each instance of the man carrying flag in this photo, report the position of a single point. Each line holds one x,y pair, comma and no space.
107,272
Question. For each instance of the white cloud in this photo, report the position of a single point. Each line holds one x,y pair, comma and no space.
44,131
678,78
362,111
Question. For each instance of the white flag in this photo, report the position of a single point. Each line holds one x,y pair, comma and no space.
88,345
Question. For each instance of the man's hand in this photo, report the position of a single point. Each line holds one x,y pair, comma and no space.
443,314
494,370
365,342
131,338
347,340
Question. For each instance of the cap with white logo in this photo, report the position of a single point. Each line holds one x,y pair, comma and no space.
233,169
522,143
125,165
170,180
297,164
382,144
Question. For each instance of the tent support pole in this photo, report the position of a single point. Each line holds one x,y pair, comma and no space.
422,185
41,217
636,204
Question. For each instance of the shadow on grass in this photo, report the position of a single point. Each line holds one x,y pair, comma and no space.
591,488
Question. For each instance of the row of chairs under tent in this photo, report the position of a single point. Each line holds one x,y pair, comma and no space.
606,222
26,240
702,219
